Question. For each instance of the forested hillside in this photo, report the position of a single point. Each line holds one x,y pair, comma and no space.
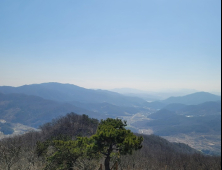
21,152
34,111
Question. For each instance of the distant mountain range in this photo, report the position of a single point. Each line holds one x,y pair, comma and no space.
33,105
154,95
71,93
38,103
191,99
34,110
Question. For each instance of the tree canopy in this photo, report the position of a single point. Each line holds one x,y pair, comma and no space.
112,138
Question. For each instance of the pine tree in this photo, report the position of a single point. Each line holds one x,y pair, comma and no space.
112,138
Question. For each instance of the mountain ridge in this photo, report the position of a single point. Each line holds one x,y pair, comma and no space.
69,93
193,99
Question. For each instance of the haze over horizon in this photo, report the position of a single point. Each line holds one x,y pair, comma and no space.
161,94
146,45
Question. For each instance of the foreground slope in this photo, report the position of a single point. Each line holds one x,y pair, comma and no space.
157,153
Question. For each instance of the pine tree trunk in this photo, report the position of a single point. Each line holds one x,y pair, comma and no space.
107,160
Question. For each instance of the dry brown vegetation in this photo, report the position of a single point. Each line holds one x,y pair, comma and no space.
19,152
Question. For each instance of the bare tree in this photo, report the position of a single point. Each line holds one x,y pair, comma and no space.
9,153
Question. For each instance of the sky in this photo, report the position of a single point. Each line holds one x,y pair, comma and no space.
142,44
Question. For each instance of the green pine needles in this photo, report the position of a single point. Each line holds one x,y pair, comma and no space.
111,140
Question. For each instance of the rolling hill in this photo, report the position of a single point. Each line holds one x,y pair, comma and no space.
193,99
207,108
176,103
34,111
110,110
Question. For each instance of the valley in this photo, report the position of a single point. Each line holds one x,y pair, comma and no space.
193,119
205,142
18,129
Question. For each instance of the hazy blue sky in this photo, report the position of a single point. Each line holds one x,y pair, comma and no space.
143,44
